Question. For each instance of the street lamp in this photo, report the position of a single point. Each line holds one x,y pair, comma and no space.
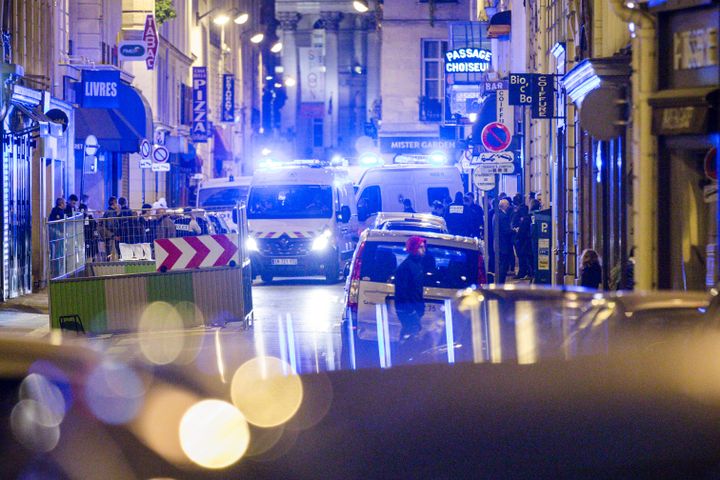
361,6
221,19
242,19
257,38
277,47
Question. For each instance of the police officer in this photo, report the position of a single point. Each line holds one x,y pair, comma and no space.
456,216
187,225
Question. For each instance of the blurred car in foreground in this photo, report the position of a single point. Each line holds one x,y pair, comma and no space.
410,222
525,324
69,411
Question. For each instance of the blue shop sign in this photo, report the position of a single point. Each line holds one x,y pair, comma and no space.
468,60
100,89
199,131
228,98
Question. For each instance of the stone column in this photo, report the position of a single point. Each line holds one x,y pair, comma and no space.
373,64
331,23
288,24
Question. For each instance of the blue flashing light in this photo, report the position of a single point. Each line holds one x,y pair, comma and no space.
437,158
370,159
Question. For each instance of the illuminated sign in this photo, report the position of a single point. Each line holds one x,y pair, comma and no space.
468,60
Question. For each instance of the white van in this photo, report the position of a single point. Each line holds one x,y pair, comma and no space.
221,195
302,221
383,189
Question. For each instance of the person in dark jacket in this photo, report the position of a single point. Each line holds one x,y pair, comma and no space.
91,234
71,208
590,270
474,216
58,211
409,302
504,244
523,241
456,216
407,206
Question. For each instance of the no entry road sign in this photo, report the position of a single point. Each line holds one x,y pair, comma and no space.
496,137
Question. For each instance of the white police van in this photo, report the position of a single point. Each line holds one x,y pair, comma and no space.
302,221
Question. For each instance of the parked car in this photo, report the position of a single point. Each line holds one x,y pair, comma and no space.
451,263
411,222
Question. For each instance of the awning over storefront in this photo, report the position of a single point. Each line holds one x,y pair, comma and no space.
117,129
598,87
685,111
223,151
500,24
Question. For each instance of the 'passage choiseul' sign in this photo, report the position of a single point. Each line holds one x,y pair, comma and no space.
468,60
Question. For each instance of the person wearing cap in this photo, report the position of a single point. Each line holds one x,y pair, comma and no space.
409,302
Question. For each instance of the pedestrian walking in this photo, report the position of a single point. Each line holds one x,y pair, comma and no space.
409,301
504,244
590,270
456,217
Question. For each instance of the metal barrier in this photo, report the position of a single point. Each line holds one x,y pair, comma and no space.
128,235
66,240
111,277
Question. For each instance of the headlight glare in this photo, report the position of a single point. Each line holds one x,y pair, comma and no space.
252,245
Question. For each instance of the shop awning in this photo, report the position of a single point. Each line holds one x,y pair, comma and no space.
113,132
117,129
685,111
222,150
500,24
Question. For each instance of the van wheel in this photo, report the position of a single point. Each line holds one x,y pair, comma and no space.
266,278
332,272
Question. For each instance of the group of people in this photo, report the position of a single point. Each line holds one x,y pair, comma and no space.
119,224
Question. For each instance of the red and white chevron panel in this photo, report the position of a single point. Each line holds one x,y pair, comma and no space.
196,252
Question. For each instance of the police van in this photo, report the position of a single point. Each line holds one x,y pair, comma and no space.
383,189
302,220
221,195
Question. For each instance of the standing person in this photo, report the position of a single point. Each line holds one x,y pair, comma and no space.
407,206
59,210
147,224
187,225
438,209
71,208
409,302
475,216
91,234
590,270
165,224
504,246
107,229
456,217
84,202
523,242
128,226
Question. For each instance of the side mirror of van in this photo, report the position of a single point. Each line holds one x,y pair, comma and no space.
345,214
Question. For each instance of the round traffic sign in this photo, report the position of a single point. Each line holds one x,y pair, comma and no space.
483,181
160,154
496,137
91,145
145,149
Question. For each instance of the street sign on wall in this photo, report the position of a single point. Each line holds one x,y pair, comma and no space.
505,112
520,88
100,88
150,36
132,50
543,98
228,98
199,130
496,137
497,168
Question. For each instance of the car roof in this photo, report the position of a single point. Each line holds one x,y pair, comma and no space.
225,182
400,236
383,217
413,226
299,175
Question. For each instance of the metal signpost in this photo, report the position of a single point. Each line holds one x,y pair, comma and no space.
160,156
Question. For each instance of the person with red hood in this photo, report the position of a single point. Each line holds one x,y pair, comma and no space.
409,302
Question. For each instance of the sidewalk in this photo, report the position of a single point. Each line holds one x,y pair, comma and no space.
27,314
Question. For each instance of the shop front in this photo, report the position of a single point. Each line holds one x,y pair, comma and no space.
119,117
686,121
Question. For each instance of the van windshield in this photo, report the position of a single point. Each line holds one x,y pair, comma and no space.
290,201
445,267
222,196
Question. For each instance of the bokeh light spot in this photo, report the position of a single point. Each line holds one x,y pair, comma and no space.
30,422
37,387
114,393
214,434
160,332
263,393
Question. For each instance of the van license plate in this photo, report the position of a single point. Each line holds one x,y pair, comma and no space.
284,261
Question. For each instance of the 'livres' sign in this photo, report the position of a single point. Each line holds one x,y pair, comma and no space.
100,88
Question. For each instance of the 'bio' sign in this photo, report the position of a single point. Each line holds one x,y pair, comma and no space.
520,88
